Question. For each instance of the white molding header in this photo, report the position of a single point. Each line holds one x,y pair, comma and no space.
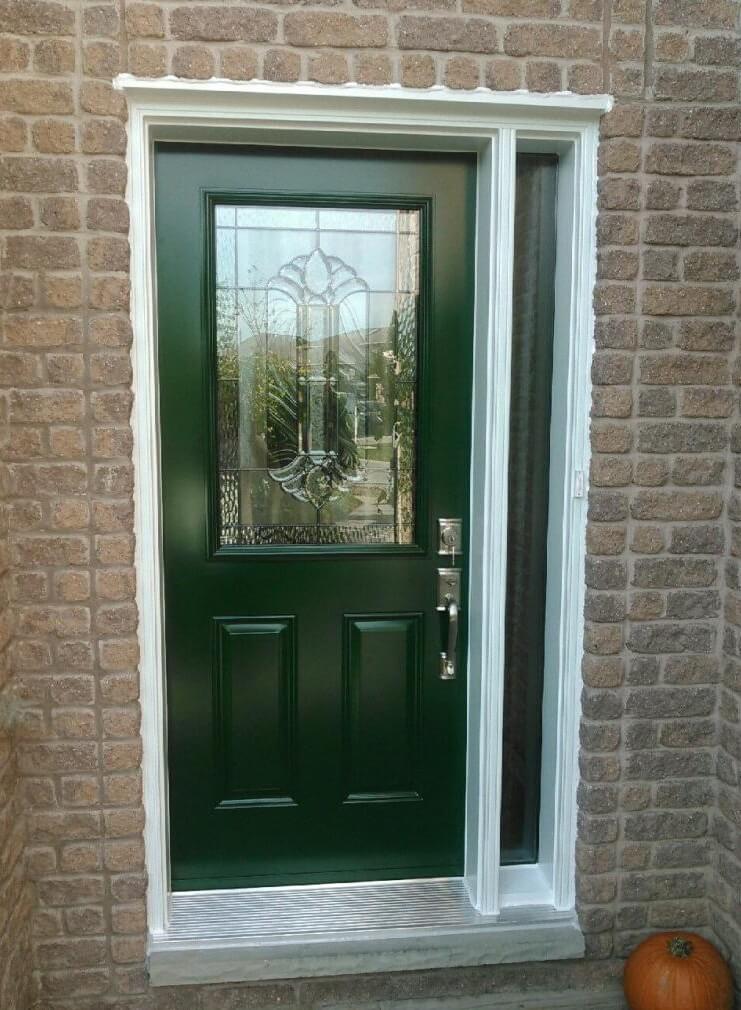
448,108
495,125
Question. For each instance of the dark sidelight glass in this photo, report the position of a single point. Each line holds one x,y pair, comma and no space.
527,526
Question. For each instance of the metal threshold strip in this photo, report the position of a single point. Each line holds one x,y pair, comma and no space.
260,913
338,929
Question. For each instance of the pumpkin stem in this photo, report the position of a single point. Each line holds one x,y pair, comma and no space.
679,947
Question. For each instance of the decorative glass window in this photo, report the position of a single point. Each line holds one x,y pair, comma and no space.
316,335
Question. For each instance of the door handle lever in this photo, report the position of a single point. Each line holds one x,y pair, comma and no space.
447,658
448,602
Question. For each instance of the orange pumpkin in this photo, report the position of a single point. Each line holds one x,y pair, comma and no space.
677,971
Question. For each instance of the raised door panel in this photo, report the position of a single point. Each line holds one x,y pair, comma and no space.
255,703
382,707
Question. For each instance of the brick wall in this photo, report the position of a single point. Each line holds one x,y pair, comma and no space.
726,884
659,826
15,892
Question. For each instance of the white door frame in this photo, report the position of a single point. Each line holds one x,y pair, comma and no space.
494,125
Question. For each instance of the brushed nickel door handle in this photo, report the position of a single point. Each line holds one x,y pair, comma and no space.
447,658
448,602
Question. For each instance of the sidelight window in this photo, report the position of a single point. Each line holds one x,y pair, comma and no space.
527,493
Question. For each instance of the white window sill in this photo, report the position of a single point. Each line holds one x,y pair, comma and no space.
279,933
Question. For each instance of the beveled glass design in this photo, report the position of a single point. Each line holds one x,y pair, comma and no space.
316,342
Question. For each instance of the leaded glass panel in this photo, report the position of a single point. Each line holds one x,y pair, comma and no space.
316,337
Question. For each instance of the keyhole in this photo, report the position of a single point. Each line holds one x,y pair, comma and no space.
449,539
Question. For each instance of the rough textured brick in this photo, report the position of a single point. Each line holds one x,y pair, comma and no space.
716,50
335,29
101,20
101,59
674,229
329,68
552,40
688,301
662,194
36,97
53,136
462,72
711,124
14,54
100,99
702,335
660,265
690,159
147,60
195,62
35,253
689,13
16,212
672,572
513,9
38,175
145,20
683,369
472,35
225,24
681,437
503,75
36,17
417,71
373,68
661,668
695,85
676,505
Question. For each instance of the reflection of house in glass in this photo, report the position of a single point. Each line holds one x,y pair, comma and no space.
317,374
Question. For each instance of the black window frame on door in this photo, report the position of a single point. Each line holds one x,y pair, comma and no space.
423,207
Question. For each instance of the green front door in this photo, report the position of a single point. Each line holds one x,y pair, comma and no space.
315,344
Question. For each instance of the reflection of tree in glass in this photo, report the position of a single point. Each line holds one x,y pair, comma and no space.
271,357
227,373
403,339
364,388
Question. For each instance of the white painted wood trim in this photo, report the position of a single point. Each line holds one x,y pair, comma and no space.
432,113
526,103
570,453
574,525
489,481
147,520
491,124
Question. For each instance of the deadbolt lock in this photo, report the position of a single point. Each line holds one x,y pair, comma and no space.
450,537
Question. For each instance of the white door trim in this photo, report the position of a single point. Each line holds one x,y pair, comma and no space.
493,125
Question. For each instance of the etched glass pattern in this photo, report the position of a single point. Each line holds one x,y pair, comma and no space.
316,342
